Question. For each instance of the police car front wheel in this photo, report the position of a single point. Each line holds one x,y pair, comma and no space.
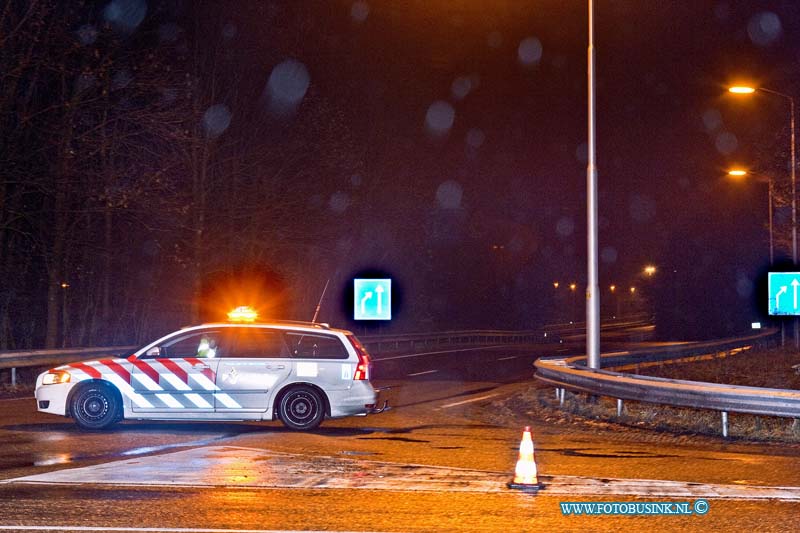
95,406
301,408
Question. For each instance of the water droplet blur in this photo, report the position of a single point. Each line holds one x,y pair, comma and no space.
168,95
744,285
339,202
359,11
87,34
582,152
168,33
121,79
726,143
150,247
608,254
286,87
475,137
125,15
722,11
494,39
229,31
642,208
712,119
85,81
449,195
764,28
461,87
565,226
530,51
216,119
439,118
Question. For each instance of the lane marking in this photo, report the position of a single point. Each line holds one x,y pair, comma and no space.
507,358
493,347
144,529
236,467
479,398
422,373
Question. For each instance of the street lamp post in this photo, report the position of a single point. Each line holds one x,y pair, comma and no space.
737,173
592,288
750,90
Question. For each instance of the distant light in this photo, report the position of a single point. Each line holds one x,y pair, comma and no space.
633,289
555,284
64,285
573,286
613,288
649,270
741,89
756,325
737,173
243,313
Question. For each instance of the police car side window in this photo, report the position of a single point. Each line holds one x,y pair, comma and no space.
202,344
304,346
258,343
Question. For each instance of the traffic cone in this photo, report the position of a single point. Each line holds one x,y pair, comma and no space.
525,475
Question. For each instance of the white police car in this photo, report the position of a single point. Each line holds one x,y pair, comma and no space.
296,372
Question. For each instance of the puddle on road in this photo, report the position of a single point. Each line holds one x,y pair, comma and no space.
610,454
26,460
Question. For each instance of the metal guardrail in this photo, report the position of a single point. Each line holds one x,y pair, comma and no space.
35,358
572,373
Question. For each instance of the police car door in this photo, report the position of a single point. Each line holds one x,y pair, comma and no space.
248,374
320,359
177,377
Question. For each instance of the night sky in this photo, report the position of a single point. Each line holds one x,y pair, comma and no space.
443,142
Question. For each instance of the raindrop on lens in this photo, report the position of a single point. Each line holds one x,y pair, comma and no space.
125,15
216,120
565,226
439,118
449,195
461,87
712,119
287,85
726,143
764,28
475,138
608,254
359,11
530,51
339,202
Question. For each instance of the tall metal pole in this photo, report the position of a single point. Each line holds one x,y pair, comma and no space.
592,288
771,247
794,213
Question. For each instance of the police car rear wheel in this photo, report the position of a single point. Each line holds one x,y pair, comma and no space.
302,408
95,406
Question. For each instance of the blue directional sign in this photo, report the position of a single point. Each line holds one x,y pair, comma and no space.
784,293
372,299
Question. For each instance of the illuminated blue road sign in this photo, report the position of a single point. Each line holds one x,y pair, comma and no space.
372,299
784,296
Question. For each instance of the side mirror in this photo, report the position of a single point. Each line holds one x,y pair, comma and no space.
154,351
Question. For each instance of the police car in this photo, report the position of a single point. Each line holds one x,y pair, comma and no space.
299,373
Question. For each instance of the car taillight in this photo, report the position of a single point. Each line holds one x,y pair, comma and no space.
362,368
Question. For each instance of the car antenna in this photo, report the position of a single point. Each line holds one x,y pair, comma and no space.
319,304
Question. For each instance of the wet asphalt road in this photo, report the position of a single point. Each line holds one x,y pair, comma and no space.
442,418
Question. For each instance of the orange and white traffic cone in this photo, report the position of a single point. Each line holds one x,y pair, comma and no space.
525,475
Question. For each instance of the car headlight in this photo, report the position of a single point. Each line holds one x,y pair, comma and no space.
56,376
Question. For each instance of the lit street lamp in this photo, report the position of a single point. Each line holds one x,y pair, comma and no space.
750,90
740,173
